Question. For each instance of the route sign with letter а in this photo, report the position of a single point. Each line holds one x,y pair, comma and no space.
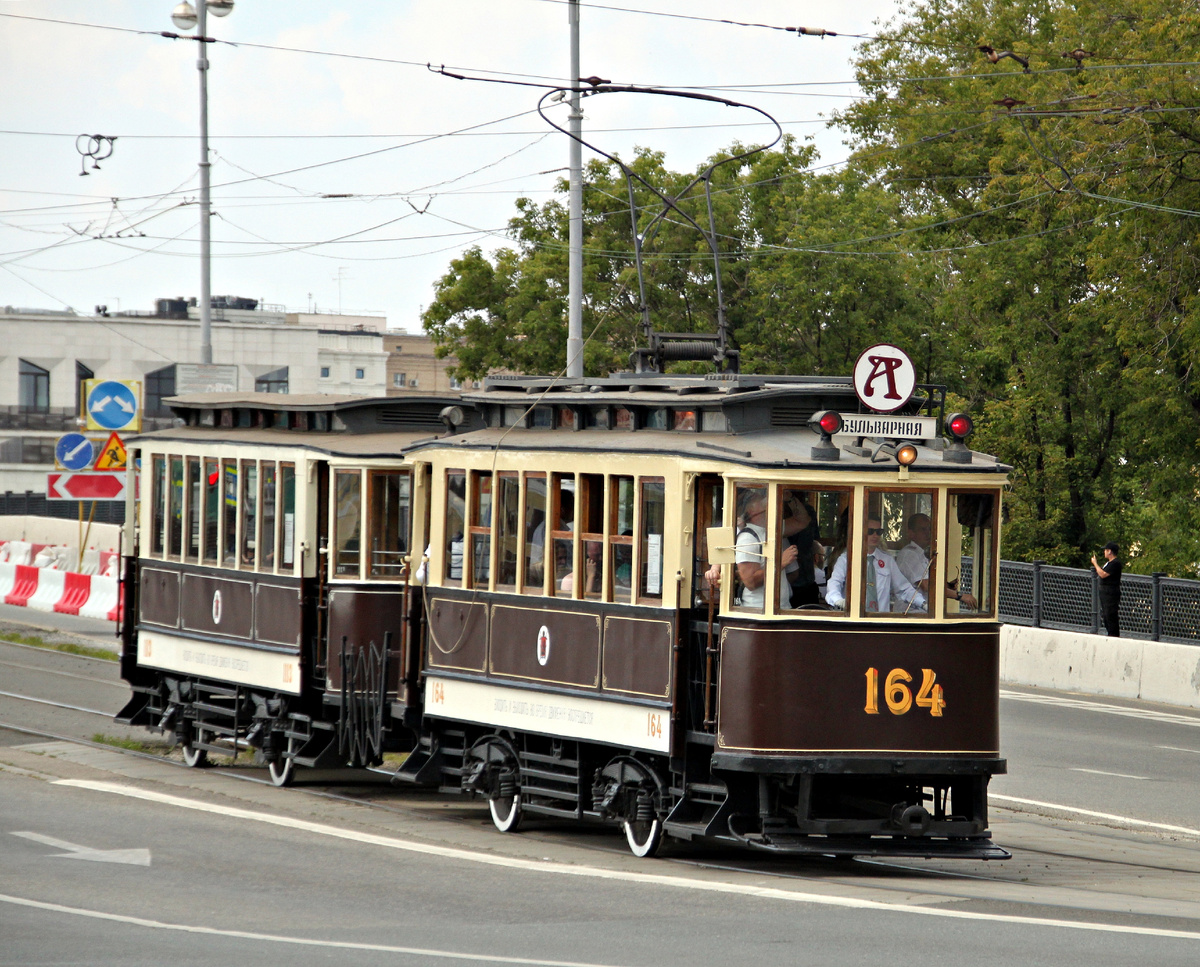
113,404
884,378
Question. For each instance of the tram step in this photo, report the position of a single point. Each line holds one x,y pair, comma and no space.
544,810
223,710
550,760
551,775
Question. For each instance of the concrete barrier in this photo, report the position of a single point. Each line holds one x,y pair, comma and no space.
43,589
1153,671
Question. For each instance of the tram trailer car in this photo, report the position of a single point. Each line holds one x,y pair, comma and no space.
269,602
574,667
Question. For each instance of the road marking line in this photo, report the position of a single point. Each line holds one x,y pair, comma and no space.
1118,775
1126,820
1134,713
132,857
1175,748
594,872
300,941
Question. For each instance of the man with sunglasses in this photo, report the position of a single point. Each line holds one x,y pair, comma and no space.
914,561
887,589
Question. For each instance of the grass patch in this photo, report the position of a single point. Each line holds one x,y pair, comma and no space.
85,651
133,745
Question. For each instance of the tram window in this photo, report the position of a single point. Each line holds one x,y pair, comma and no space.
229,517
542,417
212,509
193,509
158,471
287,515
249,508
591,523
175,510
562,538
596,418
347,523
456,522
514,415
266,548
620,529
566,418
481,529
390,522
508,529
896,566
683,419
749,559
650,569
622,419
656,419
713,421
534,529
710,509
971,553
809,520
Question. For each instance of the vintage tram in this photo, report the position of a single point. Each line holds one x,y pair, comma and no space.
669,603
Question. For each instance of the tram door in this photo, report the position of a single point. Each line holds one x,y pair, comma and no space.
322,567
703,653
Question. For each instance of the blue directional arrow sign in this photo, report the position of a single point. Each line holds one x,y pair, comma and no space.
112,405
74,451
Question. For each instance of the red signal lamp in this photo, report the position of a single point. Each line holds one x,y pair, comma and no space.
826,423
960,426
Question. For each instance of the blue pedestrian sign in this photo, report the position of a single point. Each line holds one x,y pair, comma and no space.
113,404
74,451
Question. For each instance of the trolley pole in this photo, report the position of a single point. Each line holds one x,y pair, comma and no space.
575,256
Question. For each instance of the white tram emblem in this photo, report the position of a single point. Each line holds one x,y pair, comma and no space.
217,607
543,645
884,378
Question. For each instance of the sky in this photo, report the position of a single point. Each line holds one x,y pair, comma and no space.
426,165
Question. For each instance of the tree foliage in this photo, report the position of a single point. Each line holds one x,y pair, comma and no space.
1020,214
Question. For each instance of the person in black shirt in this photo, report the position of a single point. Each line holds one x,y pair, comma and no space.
1110,588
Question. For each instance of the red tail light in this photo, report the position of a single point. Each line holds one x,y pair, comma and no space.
960,425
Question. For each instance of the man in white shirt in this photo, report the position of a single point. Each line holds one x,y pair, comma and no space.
887,587
913,559
751,562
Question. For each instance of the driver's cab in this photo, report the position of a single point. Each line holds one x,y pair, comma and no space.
793,548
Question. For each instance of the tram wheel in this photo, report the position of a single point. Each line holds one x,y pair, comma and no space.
506,812
194,758
282,769
644,838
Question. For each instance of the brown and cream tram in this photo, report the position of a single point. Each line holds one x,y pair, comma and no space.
672,603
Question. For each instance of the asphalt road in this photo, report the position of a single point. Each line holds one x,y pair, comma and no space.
241,870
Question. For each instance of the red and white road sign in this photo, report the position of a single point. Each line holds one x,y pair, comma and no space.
85,486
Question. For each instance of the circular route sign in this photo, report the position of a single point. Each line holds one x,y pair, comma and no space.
884,378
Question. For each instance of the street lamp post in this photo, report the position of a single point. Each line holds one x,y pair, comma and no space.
185,17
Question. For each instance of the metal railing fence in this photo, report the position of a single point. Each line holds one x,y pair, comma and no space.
1153,606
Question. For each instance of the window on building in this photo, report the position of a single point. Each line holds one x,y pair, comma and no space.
275,381
160,385
400,380
34,393
324,372
455,382
360,373
81,373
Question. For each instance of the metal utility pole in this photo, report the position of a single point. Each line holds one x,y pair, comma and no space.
206,356
575,211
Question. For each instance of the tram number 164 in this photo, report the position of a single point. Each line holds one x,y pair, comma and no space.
654,725
899,696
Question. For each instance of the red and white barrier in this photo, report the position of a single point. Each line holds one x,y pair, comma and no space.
44,589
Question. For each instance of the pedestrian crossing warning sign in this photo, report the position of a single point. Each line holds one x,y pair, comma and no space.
112,456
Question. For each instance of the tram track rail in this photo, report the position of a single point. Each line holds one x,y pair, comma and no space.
888,877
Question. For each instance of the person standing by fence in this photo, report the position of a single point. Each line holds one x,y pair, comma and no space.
1110,588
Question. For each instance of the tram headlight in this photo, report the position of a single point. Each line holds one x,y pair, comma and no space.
906,454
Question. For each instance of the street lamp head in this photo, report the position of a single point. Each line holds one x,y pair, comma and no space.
220,8
184,16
